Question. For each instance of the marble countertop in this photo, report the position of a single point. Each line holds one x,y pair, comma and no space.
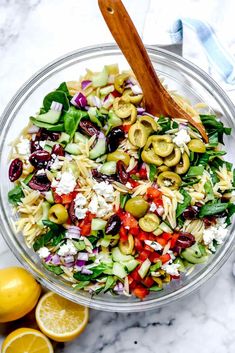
34,32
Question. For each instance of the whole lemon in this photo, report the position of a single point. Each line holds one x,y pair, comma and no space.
19,293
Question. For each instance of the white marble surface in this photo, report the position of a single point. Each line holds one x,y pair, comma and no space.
34,32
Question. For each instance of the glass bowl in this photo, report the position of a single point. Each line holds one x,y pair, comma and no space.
178,74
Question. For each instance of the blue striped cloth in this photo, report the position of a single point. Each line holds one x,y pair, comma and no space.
218,56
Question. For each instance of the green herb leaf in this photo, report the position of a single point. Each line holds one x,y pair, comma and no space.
210,209
63,87
195,171
214,128
56,96
152,172
209,191
97,271
123,199
15,195
230,213
55,269
57,239
182,206
53,226
82,285
72,119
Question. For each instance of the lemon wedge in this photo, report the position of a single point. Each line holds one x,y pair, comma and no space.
60,319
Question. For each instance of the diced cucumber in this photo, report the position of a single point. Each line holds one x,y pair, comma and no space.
92,112
99,149
50,143
49,196
106,90
98,224
119,257
45,209
64,138
47,148
80,138
194,255
131,265
113,120
144,268
179,261
158,231
119,270
73,148
109,168
50,127
100,79
105,242
156,266
51,117
165,228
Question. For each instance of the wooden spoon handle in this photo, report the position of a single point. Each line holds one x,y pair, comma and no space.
157,99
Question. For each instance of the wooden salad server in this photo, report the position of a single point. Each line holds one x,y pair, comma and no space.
157,100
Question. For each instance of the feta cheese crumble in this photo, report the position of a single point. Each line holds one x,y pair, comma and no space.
104,189
57,164
66,184
23,147
216,232
43,252
79,203
67,249
171,269
182,137
153,244
153,207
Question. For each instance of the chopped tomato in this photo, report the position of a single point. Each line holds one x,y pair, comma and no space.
126,128
143,172
143,235
143,255
134,183
134,170
165,258
128,220
138,245
158,202
123,234
154,257
57,198
148,282
134,231
135,274
68,198
148,248
161,241
85,224
140,292
153,193
166,236
174,238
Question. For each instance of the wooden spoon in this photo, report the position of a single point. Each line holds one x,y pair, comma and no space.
157,100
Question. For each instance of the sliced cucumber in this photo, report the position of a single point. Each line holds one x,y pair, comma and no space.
45,209
179,261
144,268
99,149
64,138
165,228
109,168
158,231
100,79
92,112
50,127
113,120
51,117
73,148
131,265
119,270
105,242
80,138
194,255
119,257
106,90
49,196
98,224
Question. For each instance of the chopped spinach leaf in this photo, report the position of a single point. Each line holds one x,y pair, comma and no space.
53,226
15,195
182,206
152,172
195,171
123,199
96,272
230,213
50,127
72,119
81,285
55,269
56,96
209,191
210,209
111,280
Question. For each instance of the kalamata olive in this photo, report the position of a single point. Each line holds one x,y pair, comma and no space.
89,128
39,159
72,212
44,134
58,150
191,212
102,177
185,240
15,169
123,176
113,225
34,146
114,138
40,182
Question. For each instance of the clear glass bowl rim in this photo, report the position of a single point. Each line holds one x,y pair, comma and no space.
41,277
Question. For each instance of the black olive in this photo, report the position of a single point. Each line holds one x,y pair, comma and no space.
114,138
113,225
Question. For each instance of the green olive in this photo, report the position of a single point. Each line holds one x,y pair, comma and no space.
162,168
184,164
132,118
137,206
149,123
128,97
162,145
151,157
169,179
149,222
122,109
158,281
138,135
173,158
119,156
119,82
58,214
127,247
196,145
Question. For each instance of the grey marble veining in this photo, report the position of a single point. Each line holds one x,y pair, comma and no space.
34,32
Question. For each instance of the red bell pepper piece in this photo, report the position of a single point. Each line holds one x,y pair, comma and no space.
135,275
126,128
148,282
165,258
133,182
143,255
153,193
161,241
143,172
68,198
166,236
123,232
140,292
154,257
138,245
